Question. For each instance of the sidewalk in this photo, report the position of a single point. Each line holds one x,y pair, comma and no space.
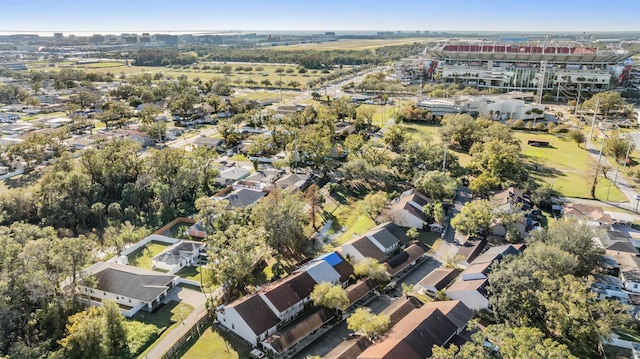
622,183
200,310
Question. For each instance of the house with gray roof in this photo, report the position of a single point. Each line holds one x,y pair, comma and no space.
243,197
132,288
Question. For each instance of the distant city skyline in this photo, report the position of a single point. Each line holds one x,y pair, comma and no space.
76,16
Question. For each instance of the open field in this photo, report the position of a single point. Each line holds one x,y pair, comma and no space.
358,44
565,166
215,343
237,78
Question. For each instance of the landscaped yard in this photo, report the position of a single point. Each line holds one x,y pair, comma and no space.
565,166
194,273
165,319
214,343
142,257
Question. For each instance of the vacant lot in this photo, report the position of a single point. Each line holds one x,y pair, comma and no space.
565,166
351,44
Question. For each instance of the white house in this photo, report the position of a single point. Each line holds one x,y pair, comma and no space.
178,256
406,210
58,122
472,293
131,287
287,297
249,317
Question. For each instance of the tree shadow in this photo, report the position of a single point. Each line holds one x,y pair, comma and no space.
24,180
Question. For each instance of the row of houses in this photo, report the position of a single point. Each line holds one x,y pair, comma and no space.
257,317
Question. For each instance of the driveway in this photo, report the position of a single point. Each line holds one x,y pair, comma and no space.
192,297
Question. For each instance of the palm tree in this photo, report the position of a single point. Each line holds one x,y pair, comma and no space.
407,289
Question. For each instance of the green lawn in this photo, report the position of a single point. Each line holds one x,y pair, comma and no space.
214,343
193,273
565,166
142,257
166,318
360,224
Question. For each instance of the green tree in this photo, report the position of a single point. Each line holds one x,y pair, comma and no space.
605,102
617,147
437,185
475,216
395,136
373,204
85,335
330,296
315,199
460,129
283,217
577,136
233,254
500,160
372,269
368,324
435,210
115,335
412,234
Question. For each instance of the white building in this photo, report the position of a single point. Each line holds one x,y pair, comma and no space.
178,256
132,288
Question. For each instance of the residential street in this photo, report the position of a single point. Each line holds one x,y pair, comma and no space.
623,185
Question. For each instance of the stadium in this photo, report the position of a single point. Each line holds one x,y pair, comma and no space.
567,67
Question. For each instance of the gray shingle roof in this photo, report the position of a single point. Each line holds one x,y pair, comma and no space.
132,282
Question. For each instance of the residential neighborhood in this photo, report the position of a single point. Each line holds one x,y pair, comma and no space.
286,193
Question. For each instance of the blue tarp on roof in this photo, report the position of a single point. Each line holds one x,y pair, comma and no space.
332,258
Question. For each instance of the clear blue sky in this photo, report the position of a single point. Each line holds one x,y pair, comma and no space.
177,15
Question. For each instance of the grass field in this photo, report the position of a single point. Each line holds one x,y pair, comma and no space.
166,318
565,166
142,257
214,343
237,78
358,44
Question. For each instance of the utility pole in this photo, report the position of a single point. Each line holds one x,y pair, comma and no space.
444,161
593,121
575,112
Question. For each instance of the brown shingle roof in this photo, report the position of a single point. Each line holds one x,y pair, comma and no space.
290,290
349,348
256,313
400,308
414,336
479,285
358,290
455,310
367,248
439,278
291,334
471,249
400,261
